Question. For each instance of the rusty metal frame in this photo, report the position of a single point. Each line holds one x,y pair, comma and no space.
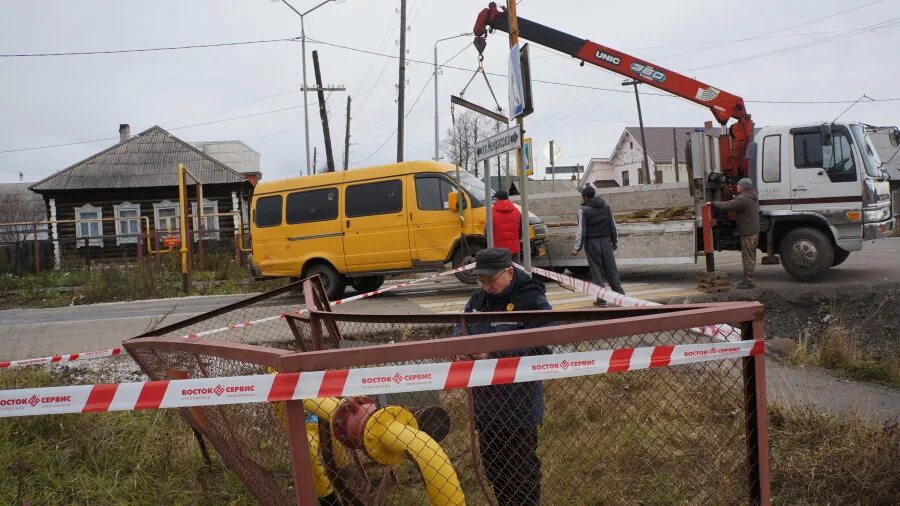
608,323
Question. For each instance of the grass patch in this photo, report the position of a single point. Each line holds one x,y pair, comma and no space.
839,349
822,459
143,457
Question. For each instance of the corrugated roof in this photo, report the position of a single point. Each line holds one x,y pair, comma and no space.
889,154
659,142
149,159
18,203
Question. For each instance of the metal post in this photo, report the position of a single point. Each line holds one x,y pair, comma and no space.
520,154
552,170
305,103
757,421
347,138
437,140
34,242
675,160
401,86
488,214
299,448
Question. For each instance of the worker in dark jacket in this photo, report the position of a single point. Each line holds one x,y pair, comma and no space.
597,234
507,416
746,207
507,223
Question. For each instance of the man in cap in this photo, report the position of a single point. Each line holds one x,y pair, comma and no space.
507,416
746,207
507,224
597,234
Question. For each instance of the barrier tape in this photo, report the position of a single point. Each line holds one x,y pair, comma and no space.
364,381
722,332
114,352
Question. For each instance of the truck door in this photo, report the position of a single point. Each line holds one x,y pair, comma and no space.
433,225
375,226
824,179
774,176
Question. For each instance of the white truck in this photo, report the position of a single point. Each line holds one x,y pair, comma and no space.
822,194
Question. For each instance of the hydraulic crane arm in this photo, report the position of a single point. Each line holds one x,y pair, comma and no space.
723,105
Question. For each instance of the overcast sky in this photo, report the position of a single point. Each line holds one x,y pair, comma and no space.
64,99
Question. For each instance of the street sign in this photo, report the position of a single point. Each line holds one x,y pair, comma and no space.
527,150
171,242
557,152
516,84
501,143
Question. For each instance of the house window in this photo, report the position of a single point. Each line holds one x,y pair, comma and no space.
127,231
631,145
624,178
166,219
210,220
86,230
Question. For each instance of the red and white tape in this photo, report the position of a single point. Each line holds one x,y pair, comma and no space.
365,381
722,332
114,352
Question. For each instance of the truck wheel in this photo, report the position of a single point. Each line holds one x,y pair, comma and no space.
465,256
333,282
366,284
839,256
806,253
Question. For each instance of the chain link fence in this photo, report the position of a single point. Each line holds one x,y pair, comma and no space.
691,433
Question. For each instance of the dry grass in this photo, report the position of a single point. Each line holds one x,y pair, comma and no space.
839,350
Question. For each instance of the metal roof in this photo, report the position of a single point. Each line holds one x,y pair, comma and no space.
18,203
659,142
148,159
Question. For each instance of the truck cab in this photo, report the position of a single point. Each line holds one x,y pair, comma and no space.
822,193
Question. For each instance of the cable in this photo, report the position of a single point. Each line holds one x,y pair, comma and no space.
146,50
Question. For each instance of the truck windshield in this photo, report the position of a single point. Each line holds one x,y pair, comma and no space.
870,156
471,185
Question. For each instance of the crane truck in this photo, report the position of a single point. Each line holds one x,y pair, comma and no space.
821,187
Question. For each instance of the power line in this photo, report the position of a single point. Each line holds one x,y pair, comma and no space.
147,50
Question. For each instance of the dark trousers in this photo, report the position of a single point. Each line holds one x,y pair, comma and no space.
602,262
510,460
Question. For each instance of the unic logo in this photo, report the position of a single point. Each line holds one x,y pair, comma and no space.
648,72
608,58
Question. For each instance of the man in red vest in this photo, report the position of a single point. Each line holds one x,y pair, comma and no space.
507,223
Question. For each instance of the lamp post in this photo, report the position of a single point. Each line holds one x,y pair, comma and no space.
437,134
646,170
303,49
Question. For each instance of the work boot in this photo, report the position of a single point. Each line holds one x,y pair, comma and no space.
743,285
600,303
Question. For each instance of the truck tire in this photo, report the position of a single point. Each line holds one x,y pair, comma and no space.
839,256
366,284
465,256
333,282
806,253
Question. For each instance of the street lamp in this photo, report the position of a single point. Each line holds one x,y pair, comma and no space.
437,141
303,48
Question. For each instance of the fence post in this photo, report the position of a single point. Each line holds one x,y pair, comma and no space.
34,242
757,419
300,459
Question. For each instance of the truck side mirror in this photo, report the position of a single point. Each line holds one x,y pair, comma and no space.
453,201
825,134
895,136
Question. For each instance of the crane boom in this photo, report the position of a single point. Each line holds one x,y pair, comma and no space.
723,105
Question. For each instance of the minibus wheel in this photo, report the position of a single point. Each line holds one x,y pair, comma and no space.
465,256
365,284
333,282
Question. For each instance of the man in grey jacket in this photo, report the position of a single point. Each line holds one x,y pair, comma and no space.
597,234
746,207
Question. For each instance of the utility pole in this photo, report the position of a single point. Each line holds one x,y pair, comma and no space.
675,160
313,169
347,137
401,87
329,157
637,97
552,170
520,154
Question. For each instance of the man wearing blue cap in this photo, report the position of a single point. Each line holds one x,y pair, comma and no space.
746,207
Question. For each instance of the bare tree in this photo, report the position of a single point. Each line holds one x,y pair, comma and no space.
17,205
460,140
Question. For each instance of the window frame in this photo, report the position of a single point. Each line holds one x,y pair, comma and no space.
196,222
79,220
441,179
165,205
626,178
348,198
763,158
337,205
126,236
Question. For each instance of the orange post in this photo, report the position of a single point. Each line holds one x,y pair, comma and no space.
708,223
